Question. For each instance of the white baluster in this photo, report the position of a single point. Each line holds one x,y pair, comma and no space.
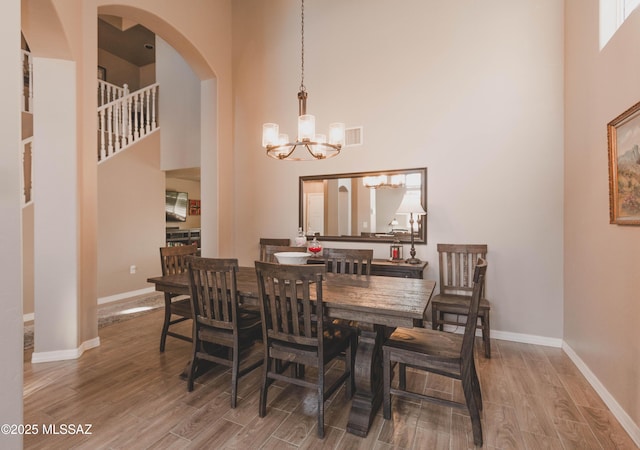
153,109
102,155
147,99
110,130
116,127
129,119
137,115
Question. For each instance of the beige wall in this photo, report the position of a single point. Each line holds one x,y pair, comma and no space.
471,90
119,71
27,259
130,218
602,300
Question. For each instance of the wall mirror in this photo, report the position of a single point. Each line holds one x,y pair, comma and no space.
362,206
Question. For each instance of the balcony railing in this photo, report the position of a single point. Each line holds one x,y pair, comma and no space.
125,120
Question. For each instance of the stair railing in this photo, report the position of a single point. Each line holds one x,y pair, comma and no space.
125,120
108,92
27,76
27,170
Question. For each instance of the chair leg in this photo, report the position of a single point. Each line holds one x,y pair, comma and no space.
321,401
472,406
476,387
486,334
434,317
193,365
386,384
235,368
167,319
262,408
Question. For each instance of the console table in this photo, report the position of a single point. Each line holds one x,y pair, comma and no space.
386,268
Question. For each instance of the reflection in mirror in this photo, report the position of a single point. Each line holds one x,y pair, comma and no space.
362,206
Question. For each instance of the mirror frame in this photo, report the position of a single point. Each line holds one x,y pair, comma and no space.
419,238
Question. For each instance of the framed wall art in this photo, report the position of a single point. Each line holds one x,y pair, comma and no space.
194,207
623,135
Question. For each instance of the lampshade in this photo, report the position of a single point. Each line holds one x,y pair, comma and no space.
411,204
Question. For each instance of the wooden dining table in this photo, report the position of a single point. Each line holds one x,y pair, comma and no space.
378,304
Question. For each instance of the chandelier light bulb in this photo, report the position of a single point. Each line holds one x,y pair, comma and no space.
306,127
336,133
270,134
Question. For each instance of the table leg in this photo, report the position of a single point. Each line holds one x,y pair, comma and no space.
368,379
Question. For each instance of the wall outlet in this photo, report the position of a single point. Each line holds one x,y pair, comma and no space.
132,269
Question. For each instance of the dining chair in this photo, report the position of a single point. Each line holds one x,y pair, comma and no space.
172,260
457,265
296,331
218,321
443,353
271,250
348,261
271,241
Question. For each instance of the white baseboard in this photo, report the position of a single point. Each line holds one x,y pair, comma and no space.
620,414
527,338
122,296
513,337
62,355
28,317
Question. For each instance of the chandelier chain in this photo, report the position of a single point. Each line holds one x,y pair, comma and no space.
302,88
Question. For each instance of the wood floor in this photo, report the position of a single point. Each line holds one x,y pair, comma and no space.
534,398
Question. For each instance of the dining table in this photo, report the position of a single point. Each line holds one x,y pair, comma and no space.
378,305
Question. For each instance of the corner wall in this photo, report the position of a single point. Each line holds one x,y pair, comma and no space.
11,330
602,286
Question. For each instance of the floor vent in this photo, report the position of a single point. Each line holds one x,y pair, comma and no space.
353,136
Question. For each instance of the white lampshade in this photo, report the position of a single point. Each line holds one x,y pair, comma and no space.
336,133
411,205
306,127
270,134
320,150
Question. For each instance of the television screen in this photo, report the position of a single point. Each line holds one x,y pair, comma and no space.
175,206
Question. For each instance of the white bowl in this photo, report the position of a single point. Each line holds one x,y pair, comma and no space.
292,257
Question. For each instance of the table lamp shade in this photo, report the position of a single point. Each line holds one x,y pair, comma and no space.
411,205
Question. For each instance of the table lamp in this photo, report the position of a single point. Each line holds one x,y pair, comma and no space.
411,205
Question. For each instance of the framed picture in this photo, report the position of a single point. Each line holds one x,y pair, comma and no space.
623,134
102,73
194,207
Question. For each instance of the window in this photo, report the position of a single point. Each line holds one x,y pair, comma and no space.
612,14
627,7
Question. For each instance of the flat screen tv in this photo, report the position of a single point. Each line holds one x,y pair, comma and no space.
175,206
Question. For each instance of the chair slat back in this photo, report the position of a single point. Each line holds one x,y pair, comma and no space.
271,250
291,303
457,266
271,241
173,258
214,297
479,274
348,261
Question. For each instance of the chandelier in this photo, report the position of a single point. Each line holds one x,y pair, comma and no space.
317,145
384,181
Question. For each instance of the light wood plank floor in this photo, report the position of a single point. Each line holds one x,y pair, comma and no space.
534,398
